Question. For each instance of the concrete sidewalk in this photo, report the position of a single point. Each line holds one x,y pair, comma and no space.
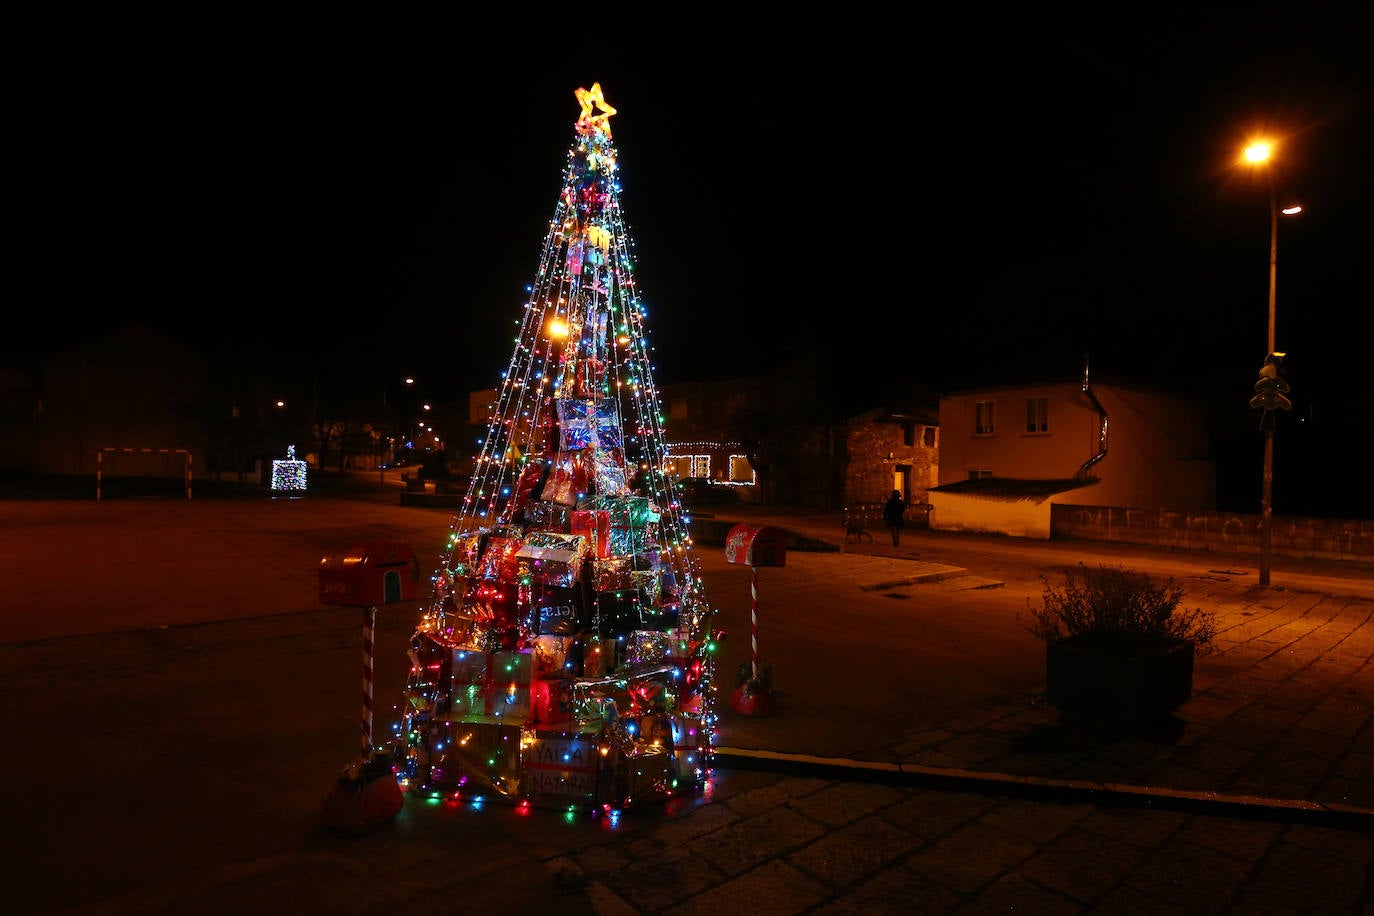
179,764
1282,716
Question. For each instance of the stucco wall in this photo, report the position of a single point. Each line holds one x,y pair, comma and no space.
1156,443
1027,518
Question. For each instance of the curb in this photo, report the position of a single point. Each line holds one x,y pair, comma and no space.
933,573
1064,791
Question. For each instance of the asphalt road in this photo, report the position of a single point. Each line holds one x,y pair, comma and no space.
841,632
179,702
825,622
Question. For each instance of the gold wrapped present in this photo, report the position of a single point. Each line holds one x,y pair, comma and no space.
472,756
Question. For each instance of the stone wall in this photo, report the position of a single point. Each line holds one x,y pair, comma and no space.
1342,540
875,445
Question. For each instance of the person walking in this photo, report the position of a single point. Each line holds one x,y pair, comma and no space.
894,516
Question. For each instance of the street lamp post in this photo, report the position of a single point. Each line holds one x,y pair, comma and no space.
396,413
1258,154
1267,480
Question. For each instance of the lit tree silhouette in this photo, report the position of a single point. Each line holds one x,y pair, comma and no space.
574,459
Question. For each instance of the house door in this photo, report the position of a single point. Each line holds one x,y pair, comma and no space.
901,480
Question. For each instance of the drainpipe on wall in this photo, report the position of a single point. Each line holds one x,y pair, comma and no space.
1101,431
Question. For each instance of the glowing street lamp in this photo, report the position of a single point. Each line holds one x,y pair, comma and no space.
1258,154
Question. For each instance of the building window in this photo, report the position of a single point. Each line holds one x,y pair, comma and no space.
688,465
741,471
928,437
979,473
983,418
1037,415
908,433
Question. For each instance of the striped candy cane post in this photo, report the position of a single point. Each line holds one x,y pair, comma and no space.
369,625
754,617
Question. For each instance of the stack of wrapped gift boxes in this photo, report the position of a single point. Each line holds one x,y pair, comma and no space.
563,659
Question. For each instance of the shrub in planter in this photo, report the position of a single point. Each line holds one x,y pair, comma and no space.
1118,650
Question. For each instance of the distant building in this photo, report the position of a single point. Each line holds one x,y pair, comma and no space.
886,451
1008,453
130,399
21,406
708,430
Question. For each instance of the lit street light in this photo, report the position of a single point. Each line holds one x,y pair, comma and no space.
396,412
1258,154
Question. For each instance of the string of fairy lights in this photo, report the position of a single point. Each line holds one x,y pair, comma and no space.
582,344
521,420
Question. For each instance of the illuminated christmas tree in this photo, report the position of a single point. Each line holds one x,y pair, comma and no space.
566,652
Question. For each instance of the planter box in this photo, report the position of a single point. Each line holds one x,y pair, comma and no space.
1117,684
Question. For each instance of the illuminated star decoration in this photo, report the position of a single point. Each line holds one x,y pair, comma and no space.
587,121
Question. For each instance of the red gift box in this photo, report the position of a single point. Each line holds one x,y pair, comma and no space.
499,559
590,375
568,480
595,526
549,704
552,565
612,574
467,549
527,488
493,603
598,655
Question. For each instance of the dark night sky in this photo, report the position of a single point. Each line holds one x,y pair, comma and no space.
369,195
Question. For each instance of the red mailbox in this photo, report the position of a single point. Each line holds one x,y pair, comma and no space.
365,575
766,546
